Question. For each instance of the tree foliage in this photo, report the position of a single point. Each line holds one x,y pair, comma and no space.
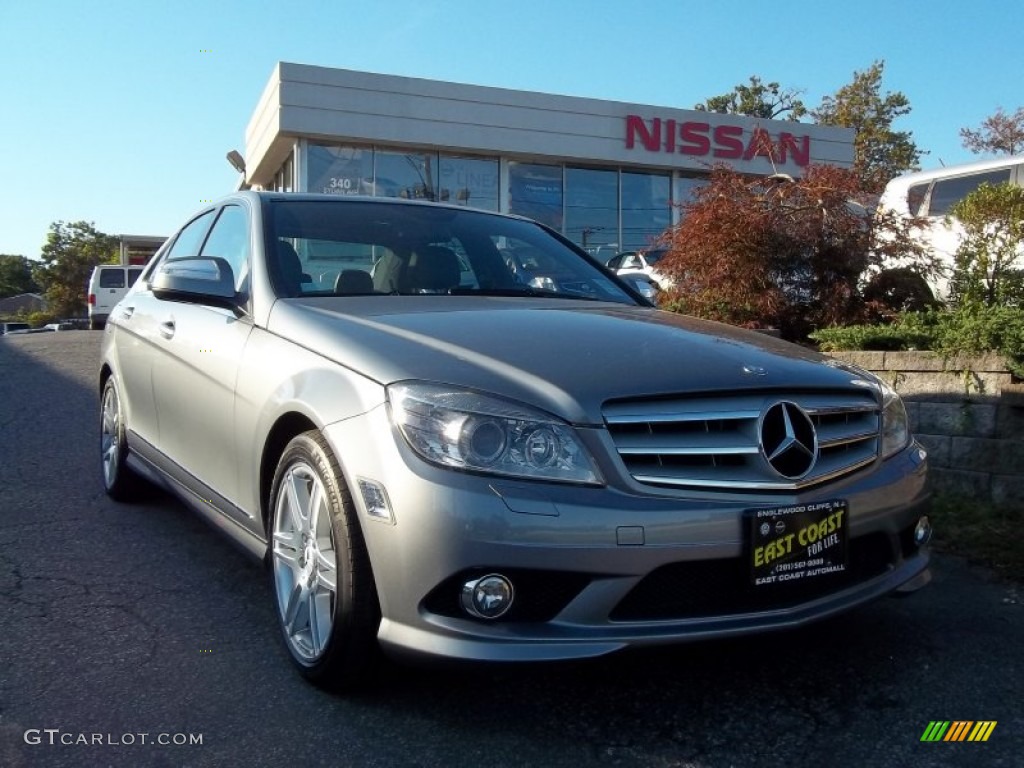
16,276
765,100
990,258
880,153
999,134
790,255
71,252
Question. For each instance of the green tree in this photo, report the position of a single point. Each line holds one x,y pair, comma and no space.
999,134
766,100
990,259
880,153
16,276
68,258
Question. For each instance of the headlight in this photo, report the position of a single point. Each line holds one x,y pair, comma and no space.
468,430
895,426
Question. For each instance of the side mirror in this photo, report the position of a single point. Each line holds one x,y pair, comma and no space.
646,288
198,279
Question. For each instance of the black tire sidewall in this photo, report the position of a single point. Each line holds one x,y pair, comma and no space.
351,647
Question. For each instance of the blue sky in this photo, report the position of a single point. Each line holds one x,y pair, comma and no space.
113,112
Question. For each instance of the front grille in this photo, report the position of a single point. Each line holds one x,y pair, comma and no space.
714,442
707,588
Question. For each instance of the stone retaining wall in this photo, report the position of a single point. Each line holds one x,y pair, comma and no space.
967,412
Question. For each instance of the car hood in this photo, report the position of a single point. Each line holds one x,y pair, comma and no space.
565,356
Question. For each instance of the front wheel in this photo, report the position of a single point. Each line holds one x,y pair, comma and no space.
323,586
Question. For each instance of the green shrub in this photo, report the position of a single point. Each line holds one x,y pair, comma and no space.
969,330
41,318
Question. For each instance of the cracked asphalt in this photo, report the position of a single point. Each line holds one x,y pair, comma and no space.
124,625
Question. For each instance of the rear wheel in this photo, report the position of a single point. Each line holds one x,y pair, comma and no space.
323,586
119,481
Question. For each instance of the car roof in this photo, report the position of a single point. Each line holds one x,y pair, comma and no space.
950,171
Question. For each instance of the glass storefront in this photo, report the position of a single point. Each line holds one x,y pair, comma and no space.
469,181
603,210
284,179
334,170
646,209
340,170
536,191
592,209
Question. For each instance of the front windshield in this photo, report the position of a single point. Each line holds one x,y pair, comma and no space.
337,247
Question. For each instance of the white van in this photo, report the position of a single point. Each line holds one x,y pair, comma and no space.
107,285
932,194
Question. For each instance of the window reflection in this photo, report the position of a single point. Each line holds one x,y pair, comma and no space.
469,181
339,170
411,175
536,191
592,209
646,209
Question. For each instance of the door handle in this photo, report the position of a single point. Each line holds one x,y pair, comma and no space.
167,328
127,312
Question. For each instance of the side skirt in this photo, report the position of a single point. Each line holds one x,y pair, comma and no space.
152,464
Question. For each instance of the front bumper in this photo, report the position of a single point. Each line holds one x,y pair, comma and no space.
597,570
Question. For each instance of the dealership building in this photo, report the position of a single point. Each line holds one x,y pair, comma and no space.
607,174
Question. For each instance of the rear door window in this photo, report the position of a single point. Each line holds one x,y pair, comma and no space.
948,192
111,278
133,275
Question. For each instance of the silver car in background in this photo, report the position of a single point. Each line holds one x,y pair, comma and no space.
440,458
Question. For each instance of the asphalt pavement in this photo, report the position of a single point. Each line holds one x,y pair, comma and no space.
132,635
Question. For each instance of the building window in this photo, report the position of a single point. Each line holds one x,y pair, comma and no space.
411,175
339,170
284,179
535,191
471,181
592,210
646,209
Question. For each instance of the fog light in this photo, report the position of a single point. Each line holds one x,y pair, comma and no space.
488,597
922,531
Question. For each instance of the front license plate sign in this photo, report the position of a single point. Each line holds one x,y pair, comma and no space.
802,542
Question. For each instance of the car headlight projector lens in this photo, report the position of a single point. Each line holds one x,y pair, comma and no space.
463,429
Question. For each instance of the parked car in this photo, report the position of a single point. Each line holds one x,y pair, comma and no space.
14,327
458,465
642,263
932,195
108,284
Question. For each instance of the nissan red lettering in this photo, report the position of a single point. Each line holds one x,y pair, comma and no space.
726,142
695,139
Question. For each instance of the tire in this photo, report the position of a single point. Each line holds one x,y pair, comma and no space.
96,325
901,290
119,481
326,601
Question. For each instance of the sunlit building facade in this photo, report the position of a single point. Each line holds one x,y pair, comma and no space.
608,175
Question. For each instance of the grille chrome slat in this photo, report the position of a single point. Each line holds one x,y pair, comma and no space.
715,442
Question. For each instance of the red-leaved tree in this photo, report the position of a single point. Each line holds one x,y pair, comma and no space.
796,255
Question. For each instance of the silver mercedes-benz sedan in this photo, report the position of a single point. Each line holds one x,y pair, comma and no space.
439,454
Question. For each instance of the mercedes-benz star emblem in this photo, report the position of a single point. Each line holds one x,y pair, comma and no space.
788,440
